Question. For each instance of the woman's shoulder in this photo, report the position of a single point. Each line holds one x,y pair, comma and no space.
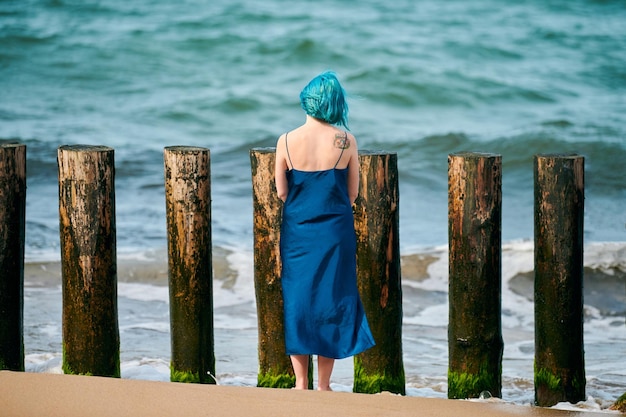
344,133
291,134
345,140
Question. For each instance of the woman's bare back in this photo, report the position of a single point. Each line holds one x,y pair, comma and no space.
318,148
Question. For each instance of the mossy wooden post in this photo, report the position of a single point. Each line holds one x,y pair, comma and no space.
275,369
475,344
559,212
91,343
376,221
190,274
620,404
12,231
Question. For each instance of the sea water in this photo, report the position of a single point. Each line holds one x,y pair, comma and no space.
425,79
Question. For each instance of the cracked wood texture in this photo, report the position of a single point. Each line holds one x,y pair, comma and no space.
475,344
559,216
190,274
88,260
274,365
12,232
376,221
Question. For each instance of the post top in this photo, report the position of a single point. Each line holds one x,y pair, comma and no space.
85,148
185,149
559,155
468,154
367,152
11,144
267,149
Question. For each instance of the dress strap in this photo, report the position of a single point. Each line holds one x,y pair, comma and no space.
287,147
345,141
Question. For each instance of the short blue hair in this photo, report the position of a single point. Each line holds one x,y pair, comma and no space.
324,98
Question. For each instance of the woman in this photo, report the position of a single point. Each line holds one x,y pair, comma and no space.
317,177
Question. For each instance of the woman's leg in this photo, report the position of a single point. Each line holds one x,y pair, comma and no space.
300,365
324,369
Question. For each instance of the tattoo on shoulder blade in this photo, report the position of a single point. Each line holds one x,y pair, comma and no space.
341,141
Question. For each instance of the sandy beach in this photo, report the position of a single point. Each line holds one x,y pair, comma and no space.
36,394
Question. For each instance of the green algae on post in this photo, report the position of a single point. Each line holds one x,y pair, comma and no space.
269,380
463,385
67,369
187,377
274,378
190,377
545,378
376,383
552,388
620,404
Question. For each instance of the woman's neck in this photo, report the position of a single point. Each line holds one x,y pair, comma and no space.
310,120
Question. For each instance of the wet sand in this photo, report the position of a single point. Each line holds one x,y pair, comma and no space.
38,394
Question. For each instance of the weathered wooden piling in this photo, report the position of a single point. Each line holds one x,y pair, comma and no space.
12,232
275,369
376,218
190,274
559,215
88,260
475,344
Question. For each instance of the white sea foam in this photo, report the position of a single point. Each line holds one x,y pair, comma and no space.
241,260
436,316
143,292
227,321
149,369
163,327
43,362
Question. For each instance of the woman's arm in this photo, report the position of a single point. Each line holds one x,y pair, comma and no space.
280,168
353,170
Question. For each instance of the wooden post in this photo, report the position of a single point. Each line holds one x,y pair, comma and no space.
275,370
378,273
12,231
475,344
559,212
188,211
88,260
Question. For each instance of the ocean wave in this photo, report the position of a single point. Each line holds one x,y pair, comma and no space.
227,76
423,160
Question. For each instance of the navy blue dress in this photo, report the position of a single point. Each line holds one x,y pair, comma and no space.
323,311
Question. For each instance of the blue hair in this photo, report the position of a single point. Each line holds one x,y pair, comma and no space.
325,99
